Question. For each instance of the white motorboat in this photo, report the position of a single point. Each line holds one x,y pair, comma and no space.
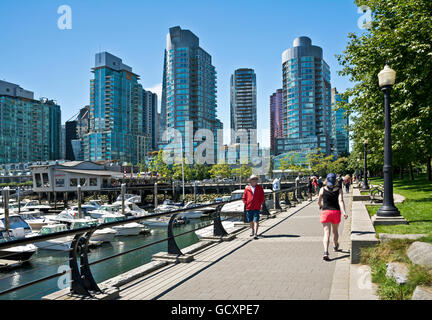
58,244
70,218
167,206
208,231
131,210
238,206
127,229
35,219
129,197
18,229
33,205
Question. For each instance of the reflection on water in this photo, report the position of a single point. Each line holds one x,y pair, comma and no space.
48,262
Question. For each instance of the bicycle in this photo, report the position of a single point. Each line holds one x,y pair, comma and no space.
377,193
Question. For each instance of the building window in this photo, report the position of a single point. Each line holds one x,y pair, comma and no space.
93,182
59,182
38,180
73,182
83,182
45,180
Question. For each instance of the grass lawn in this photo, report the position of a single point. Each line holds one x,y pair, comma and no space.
417,208
395,251
364,193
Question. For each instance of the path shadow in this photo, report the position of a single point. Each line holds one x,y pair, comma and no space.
281,236
341,257
419,221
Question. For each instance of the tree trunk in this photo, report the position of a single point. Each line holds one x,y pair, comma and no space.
401,172
428,170
411,172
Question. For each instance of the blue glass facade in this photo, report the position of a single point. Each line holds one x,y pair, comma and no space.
188,88
306,100
116,124
29,129
340,123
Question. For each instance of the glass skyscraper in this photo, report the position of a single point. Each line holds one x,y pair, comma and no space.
116,124
30,130
306,100
243,104
276,128
188,89
340,124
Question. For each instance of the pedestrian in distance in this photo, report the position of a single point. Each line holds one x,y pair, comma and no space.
347,183
331,202
315,184
310,188
253,198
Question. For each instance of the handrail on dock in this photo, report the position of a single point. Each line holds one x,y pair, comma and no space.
82,281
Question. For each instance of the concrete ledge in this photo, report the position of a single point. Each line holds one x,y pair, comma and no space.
196,247
172,258
109,293
357,196
362,231
389,236
134,274
388,221
228,237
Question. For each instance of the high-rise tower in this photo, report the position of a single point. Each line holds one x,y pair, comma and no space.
306,100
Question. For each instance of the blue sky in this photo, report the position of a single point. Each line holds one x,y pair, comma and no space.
54,63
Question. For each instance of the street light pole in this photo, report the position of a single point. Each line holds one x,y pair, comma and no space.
388,209
365,181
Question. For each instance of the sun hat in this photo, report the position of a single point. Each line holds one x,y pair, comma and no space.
331,179
253,177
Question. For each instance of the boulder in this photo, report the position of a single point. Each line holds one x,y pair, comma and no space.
422,293
398,271
420,253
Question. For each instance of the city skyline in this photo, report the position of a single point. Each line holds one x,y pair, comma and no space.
70,66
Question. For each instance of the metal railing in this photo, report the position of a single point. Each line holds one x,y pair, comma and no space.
82,280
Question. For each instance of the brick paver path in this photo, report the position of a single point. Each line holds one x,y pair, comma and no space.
285,263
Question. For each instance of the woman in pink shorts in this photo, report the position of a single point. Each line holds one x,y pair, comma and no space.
330,201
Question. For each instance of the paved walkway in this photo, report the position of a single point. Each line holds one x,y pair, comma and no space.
285,263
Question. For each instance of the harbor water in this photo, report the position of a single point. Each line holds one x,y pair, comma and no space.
48,262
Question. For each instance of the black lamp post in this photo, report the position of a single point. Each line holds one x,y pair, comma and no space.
365,181
387,78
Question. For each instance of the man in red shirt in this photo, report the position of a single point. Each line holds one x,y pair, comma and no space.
253,198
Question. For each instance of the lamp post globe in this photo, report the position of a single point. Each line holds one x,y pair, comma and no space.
386,79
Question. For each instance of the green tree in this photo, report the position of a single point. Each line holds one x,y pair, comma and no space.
200,171
177,171
158,165
244,171
220,170
318,162
400,34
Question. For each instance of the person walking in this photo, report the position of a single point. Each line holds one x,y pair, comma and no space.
347,182
331,202
253,198
315,184
310,188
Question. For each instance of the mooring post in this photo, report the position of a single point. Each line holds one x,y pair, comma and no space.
79,201
5,193
155,195
123,191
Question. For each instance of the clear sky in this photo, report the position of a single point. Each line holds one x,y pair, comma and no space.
54,63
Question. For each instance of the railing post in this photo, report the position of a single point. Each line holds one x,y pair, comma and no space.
287,200
294,196
172,244
276,202
218,229
299,195
82,278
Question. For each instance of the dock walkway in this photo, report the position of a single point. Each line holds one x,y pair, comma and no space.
284,263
